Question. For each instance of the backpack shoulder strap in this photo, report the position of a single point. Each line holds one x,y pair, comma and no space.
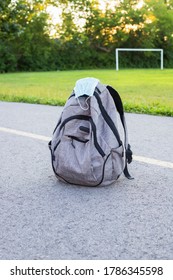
119,105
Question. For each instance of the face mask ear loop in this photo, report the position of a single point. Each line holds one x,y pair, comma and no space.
87,106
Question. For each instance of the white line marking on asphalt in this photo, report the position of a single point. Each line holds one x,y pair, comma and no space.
25,134
161,163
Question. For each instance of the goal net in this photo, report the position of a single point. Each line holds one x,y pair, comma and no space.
137,50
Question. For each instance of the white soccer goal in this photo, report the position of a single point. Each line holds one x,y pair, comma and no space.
137,50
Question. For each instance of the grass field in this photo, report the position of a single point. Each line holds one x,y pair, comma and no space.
142,91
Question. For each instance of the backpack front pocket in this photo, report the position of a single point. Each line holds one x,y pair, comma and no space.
77,163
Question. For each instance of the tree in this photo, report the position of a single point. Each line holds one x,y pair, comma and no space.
9,29
162,11
24,38
87,35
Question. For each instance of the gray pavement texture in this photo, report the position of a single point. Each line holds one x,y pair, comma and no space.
41,218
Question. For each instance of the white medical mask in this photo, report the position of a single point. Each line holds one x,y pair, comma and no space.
85,86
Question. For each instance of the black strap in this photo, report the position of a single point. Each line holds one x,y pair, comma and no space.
127,174
119,105
107,118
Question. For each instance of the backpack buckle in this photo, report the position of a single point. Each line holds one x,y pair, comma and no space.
129,154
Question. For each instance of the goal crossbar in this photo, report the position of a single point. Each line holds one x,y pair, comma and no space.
137,50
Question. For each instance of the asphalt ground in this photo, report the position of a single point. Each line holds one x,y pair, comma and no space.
42,218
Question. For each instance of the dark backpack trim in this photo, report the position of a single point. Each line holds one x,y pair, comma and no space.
119,105
108,120
57,125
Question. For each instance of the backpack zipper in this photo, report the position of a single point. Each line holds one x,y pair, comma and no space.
94,130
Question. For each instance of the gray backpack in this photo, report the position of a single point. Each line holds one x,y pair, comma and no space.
86,148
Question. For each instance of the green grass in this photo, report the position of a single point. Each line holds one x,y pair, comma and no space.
142,91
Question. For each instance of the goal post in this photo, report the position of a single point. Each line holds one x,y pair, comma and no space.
137,50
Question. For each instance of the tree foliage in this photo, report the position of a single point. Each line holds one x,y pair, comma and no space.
86,34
